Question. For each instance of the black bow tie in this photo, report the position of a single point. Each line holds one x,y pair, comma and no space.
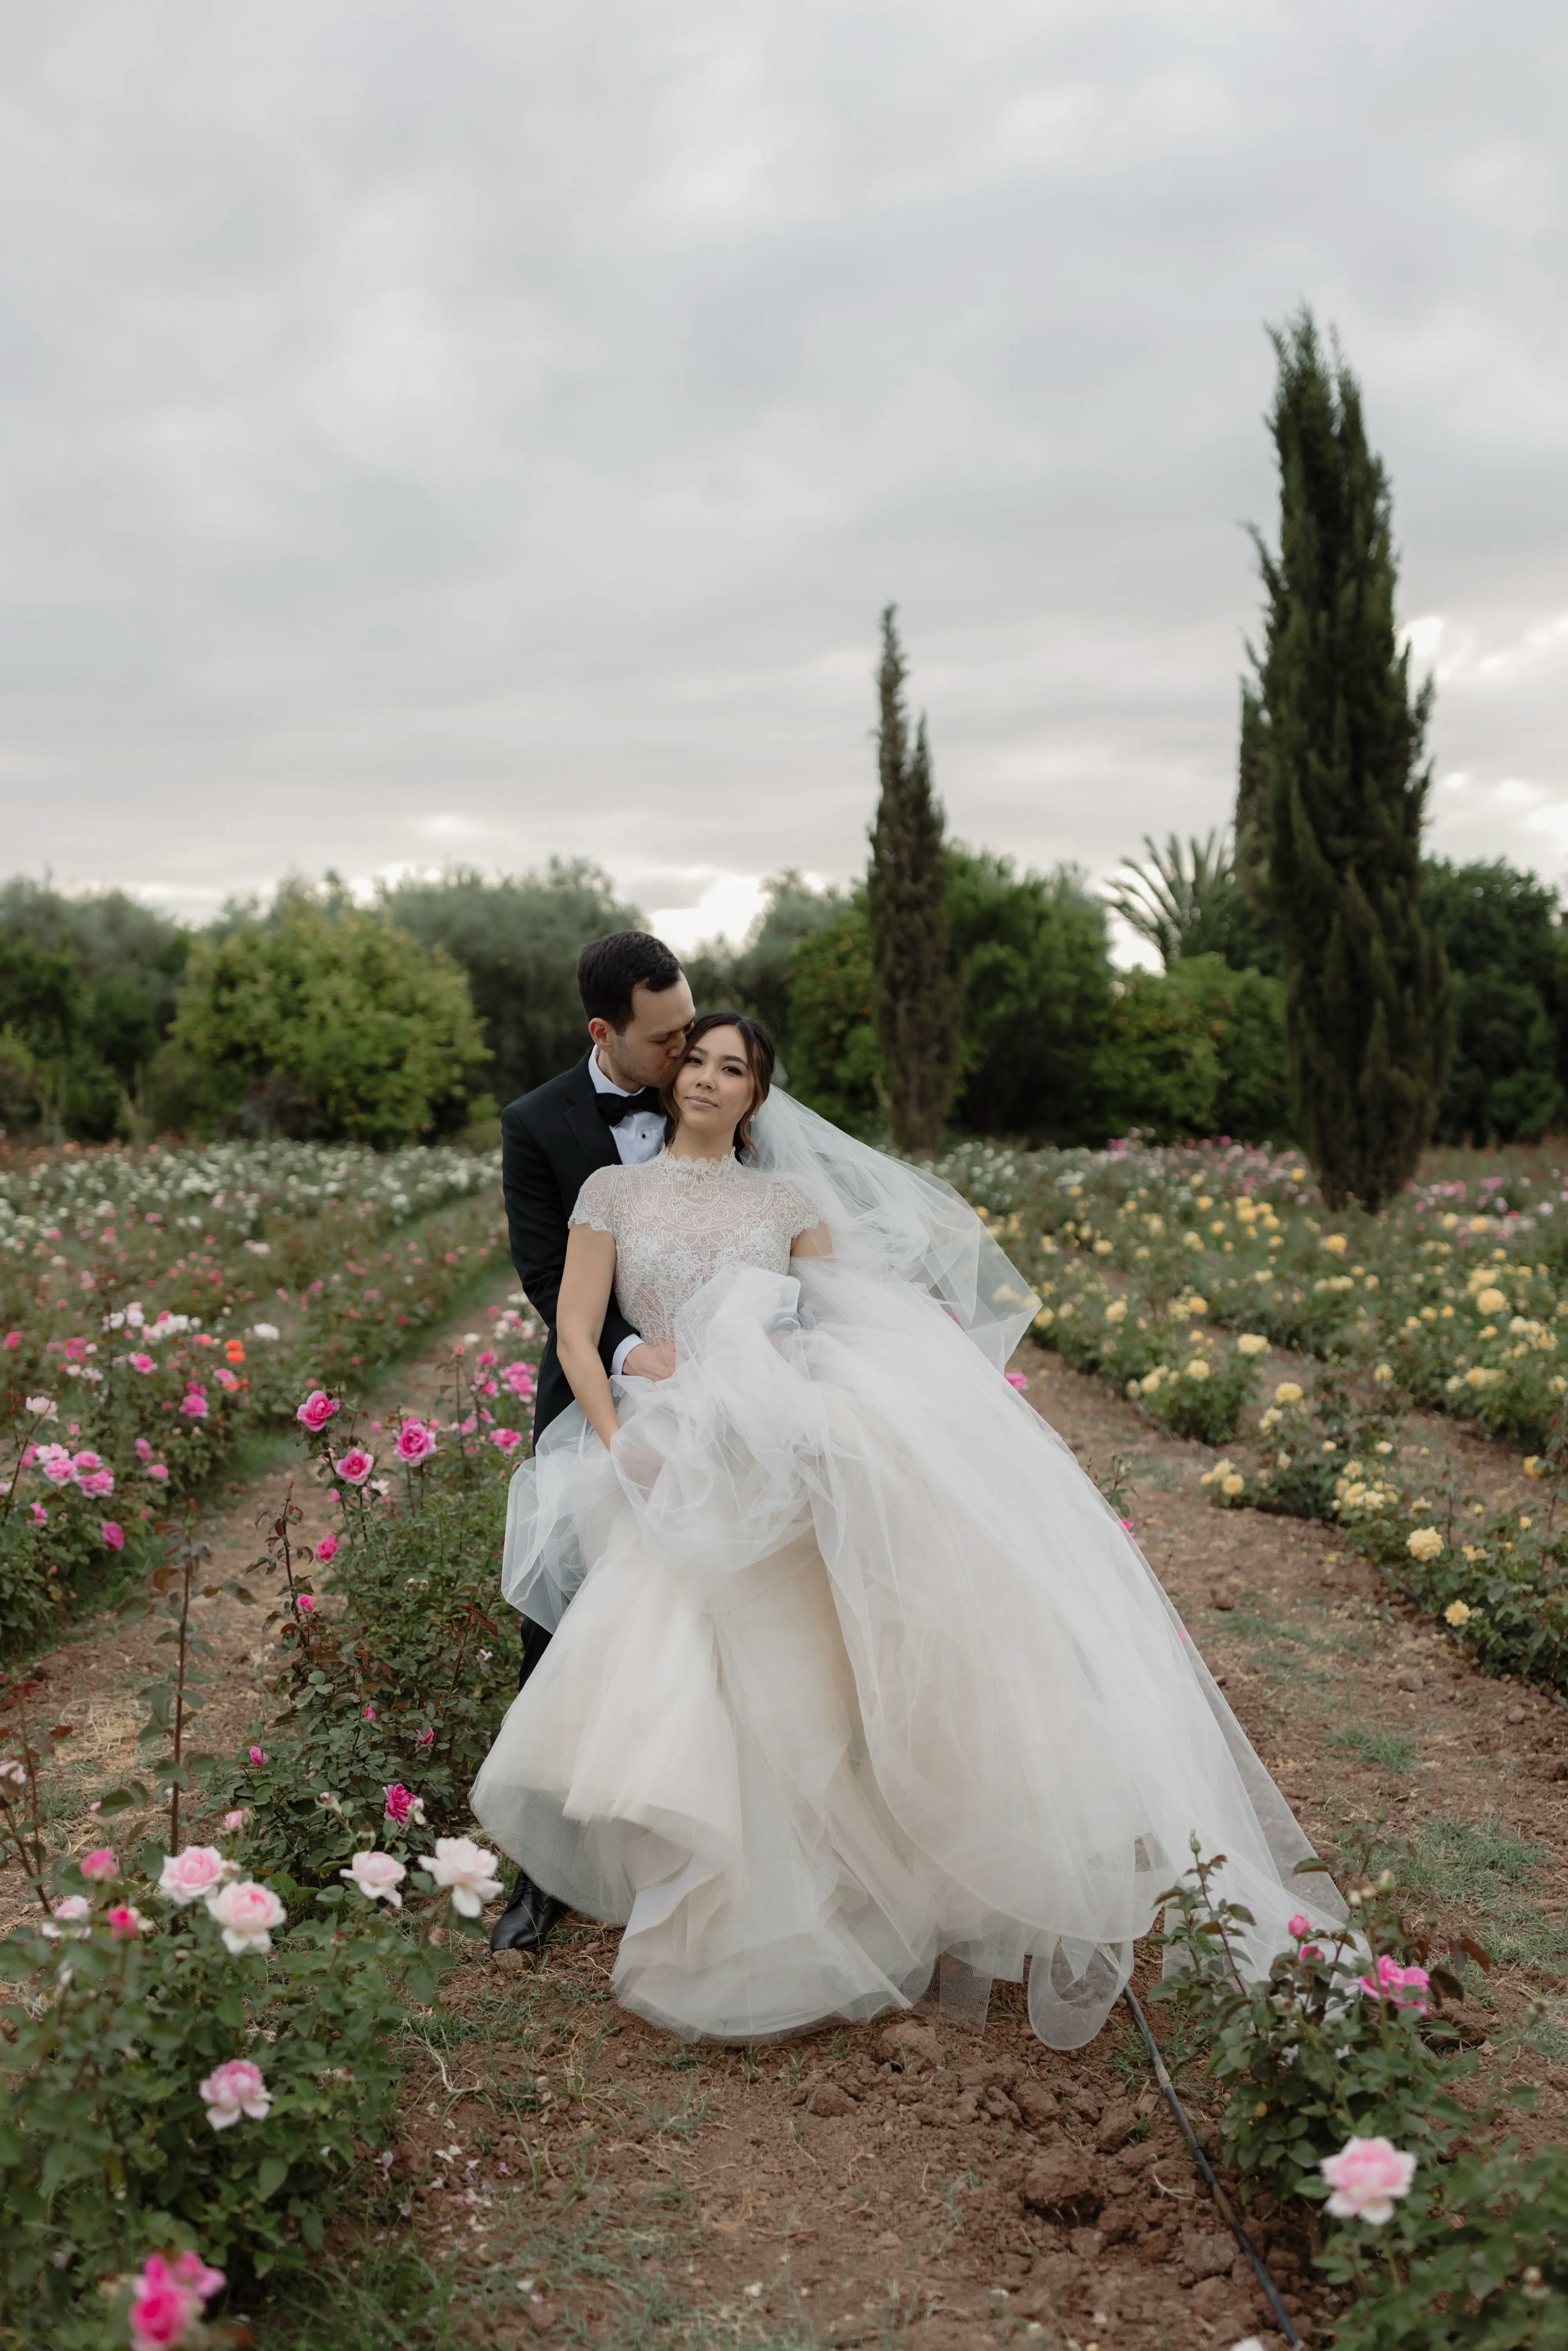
613,1108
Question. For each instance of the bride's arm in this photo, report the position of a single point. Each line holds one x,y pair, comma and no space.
585,1293
816,1242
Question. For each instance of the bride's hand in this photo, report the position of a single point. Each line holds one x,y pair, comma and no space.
645,1362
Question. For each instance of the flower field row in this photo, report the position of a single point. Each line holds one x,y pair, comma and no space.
156,1306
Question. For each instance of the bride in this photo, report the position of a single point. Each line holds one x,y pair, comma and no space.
860,1671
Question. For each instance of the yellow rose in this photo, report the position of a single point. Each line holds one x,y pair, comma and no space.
1232,1485
1456,1612
1490,1301
1337,1242
1251,1342
1425,1544
1288,1392
1384,1374
1198,1369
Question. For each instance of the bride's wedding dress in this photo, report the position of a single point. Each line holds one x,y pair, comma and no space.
859,1668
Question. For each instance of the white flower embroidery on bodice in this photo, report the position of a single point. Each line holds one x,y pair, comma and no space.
677,1222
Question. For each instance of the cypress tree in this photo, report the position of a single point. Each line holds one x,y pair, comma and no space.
1332,794
917,996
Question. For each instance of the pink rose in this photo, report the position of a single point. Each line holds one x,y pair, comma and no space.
195,1405
100,1866
186,1876
259,1756
426,1738
143,1363
99,1484
1368,2177
304,1604
168,2296
326,1548
317,1410
1405,1986
415,1442
1017,1380
247,1913
404,1805
156,1469
233,2090
112,1533
235,1821
194,2275
40,1516
144,1450
505,1440
355,1465
59,1469
87,1461
12,1338
126,1919
519,1378
1299,1926
378,1876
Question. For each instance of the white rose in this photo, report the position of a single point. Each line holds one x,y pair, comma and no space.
469,1870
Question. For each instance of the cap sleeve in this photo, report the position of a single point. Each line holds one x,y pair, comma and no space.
598,1201
801,1210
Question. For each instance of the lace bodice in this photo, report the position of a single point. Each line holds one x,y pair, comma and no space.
677,1222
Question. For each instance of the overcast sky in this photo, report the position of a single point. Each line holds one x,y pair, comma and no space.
489,431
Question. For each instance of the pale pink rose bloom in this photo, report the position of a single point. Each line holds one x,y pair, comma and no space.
233,2090
1406,1987
112,1533
378,1876
72,1907
469,1870
355,1465
247,1913
186,1876
98,1483
317,1410
100,1866
59,1470
326,1548
414,1442
87,1461
1368,2177
143,1363
235,1821
505,1440
126,1919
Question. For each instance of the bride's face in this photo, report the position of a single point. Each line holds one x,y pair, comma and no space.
714,1086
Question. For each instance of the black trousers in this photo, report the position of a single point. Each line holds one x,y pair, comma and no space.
536,1641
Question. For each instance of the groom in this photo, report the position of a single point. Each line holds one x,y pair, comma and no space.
604,1109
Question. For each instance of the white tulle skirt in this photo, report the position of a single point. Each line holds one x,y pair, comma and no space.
859,1670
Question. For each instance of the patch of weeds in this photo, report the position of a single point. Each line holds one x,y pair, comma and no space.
1548,2036
1389,1749
383,2298
1481,1866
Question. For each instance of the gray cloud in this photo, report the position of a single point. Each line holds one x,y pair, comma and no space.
475,433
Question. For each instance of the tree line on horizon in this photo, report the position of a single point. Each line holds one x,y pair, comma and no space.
1320,982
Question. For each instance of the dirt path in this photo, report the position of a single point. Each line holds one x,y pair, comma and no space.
592,2180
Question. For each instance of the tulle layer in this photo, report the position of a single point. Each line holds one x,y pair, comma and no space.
860,1670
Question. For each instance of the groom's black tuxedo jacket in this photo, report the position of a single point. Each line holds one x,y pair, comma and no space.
551,1142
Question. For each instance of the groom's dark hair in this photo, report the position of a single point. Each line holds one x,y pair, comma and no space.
609,969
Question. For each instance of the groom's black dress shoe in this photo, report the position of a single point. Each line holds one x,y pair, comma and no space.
526,1924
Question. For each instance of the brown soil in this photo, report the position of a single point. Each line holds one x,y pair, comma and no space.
597,2178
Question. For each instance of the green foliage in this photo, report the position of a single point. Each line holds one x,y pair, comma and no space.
516,938
836,1064
1156,1067
1338,741
1037,994
86,990
917,995
330,1021
1245,1013
1504,942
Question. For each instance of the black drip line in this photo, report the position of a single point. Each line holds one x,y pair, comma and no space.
1206,2172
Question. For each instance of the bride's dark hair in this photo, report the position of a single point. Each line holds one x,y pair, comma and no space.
760,1060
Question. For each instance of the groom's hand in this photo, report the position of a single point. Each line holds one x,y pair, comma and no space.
646,1362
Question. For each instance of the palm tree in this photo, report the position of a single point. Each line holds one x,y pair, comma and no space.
1171,900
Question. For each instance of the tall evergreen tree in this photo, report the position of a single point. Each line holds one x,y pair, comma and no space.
918,994
1332,775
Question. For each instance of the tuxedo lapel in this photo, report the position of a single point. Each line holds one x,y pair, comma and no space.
597,1139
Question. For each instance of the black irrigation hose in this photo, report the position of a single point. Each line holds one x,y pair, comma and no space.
1206,2172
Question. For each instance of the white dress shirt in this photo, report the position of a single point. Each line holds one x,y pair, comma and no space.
637,1138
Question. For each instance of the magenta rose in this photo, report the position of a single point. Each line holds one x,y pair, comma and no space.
326,1548
194,1407
355,1465
113,1534
404,1805
505,1440
317,1410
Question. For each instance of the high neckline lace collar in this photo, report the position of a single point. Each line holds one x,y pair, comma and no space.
698,1171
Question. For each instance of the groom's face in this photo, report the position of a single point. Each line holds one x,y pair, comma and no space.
649,1047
